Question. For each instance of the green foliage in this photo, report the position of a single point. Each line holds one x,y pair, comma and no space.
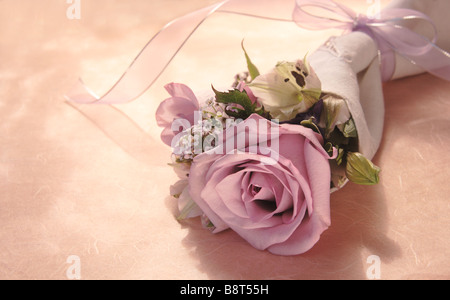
252,69
239,104
360,170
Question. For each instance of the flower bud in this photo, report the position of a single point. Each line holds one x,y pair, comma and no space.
360,170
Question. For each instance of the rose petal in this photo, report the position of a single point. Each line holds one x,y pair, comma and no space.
263,237
231,187
310,230
299,185
197,183
222,201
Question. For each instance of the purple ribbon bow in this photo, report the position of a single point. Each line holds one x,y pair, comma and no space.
387,29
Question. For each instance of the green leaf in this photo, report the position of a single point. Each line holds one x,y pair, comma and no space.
340,157
252,69
337,138
235,97
241,104
329,148
360,170
349,129
310,124
237,114
263,113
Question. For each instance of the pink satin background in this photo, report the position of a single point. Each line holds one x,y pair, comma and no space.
94,181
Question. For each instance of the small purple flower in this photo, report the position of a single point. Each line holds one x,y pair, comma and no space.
182,105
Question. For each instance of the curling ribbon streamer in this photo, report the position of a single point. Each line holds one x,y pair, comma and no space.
390,36
163,47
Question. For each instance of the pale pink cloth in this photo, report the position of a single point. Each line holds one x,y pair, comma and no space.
68,189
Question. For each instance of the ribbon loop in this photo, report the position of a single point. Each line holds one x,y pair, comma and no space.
388,31
323,14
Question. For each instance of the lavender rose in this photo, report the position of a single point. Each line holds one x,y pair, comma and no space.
276,199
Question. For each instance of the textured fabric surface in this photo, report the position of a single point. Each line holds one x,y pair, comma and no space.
92,182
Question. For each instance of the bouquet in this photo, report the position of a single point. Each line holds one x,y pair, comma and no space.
263,157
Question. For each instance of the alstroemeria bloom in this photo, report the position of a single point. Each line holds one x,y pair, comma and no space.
289,89
182,105
283,206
